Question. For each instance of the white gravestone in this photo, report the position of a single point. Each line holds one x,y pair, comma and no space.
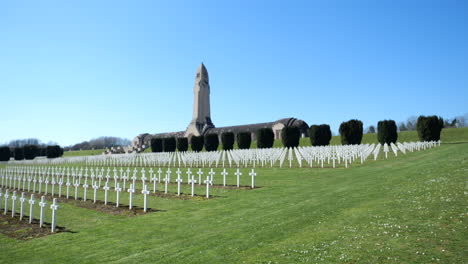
106,189
13,204
6,195
179,180
22,200
131,191
211,173
85,191
54,208
76,185
95,188
117,191
31,208
208,183
253,174
200,173
68,184
145,192
224,173
42,204
238,174
1,197
192,182
189,175
166,181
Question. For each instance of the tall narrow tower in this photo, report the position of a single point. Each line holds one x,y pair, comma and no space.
201,119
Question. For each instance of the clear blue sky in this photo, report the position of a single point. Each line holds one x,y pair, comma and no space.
75,70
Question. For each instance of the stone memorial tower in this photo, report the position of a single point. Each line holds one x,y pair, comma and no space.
201,119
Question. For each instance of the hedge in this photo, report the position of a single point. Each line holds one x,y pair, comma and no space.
211,142
244,139
227,140
54,151
31,151
290,136
429,127
197,143
320,135
169,144
5,153
265,137
182,144
19,153
351,132
387,132
156,145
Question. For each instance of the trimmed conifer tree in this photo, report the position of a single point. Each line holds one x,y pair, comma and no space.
244,139
211,142
387,132
169,144
351,132
5,153
429,127
30,151
227,140
196,143
320,135
156,145
19,153
182,144
290,136
265,137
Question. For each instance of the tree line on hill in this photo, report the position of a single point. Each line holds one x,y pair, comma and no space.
99,143
351,132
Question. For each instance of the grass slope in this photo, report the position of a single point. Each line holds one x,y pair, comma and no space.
407,209
76,153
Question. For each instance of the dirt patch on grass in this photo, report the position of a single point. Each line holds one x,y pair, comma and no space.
23,230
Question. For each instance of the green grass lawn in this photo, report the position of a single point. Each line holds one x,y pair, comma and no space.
76,153
407,209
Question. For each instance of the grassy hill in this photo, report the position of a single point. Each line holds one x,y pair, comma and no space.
407,209
83,153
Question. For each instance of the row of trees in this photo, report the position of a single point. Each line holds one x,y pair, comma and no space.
265,139
29,152
351,132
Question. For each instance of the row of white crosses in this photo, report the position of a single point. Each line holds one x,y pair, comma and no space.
343,154
16,178
22,201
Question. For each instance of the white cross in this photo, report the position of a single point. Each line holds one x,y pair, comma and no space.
159,175
85,188
193,181
117,191
131,191
166,181
200,173
238,174
6,195
42,204
13,204
95,187
224,173
54,206
211,173
31,208
22,200
106,189
179,180
189,173
253,174
145,192
208,183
